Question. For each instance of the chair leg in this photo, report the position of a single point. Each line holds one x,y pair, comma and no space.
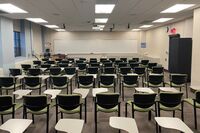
61,114
149,115
122,92
182,111
2,121
126,106
33,118
56,113
186,89
174,113
195,117
47,130
95,118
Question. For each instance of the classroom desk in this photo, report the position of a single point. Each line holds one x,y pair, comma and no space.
16,125
70,125
127,124
173,123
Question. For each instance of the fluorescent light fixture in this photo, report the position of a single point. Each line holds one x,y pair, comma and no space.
162,20
101,26
146,26
60,30
177,8
52,26
136,29
104,8
95,28
37,20
10,8
101,20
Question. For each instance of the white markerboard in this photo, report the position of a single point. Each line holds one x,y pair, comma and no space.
95,46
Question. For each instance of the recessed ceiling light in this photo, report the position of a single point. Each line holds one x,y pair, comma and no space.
146,26
104,8
60,30
52,26
177,8
101,20
136,29
10,8
37,20
162,20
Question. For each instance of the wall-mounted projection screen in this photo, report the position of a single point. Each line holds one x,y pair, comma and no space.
95,46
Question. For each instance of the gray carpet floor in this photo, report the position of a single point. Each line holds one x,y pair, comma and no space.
144,125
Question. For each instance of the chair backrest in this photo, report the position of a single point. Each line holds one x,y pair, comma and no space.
63,64
84,59
178,79
34,71
15,71
71,59
131,61
133,65
150,65
95,64
156,79
123,59
144,62
85,80
58,59
79,61
7,81
107,79
32,81
130,79
108,64
198,97
107,100
125,70
45,59
144,100
93,60
70,70
45,66
37,62
55,70
50,62
6,103
102,59
81,66
170,99
139,70
25,66
109,70
117,62
68,102
112,59
157,70
92,70
59,80
35,102
136,59
122,64
65,61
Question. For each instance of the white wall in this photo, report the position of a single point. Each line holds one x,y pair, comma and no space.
195,50
37,38
158,41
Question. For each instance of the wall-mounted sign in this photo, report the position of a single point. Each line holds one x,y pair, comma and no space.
143,45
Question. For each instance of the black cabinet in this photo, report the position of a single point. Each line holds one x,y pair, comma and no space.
180,55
